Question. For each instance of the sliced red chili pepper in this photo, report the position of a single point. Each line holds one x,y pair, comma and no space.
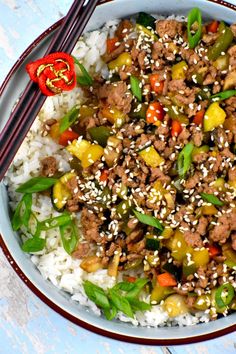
176,128
66,136
54,73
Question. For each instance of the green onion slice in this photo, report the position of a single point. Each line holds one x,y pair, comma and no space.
96,294
37,184
22,213
69,119
185,159
85,79
135,87
34,244
211,198
194,16
69,236
224,95
224,295
148,220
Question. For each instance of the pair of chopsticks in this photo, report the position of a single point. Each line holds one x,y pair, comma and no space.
32,99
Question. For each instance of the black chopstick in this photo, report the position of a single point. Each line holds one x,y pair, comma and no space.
32,100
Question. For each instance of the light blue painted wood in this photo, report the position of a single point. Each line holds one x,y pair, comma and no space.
26,324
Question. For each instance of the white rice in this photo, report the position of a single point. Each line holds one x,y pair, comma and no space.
53,262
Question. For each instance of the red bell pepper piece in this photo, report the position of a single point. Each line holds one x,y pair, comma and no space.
213,26
156,84
66,136
131,279
54,73
155,113
198,118
166,279
176,128
213,250
111,44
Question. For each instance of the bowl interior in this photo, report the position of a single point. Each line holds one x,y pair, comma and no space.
57,299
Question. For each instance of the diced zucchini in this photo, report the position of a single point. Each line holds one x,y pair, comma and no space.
146,20
152,242
60,193
159,293
100,134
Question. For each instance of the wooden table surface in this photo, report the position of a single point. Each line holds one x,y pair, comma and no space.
27,325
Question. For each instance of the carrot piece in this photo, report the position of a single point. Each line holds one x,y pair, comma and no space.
104,176
66,136
213,250
198,118
166,279
213,26
176,128
111,44
156,84
131,279
155,113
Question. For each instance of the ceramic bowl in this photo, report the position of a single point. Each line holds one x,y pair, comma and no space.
10,241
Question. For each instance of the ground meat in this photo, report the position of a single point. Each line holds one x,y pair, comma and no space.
49,166
90,225
115,53
201,157
141,59
82,250
202,226
210,38
233,29
190,56
232,56
190,301
159,145
183,136
116,95
220,233
123,29
197,135
193,239
157,174
232,174
134,236
177,85
193,181
168,28
233,240
211,76
126,71
202,278
111,250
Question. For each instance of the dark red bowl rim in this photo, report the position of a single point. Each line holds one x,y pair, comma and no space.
44,298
